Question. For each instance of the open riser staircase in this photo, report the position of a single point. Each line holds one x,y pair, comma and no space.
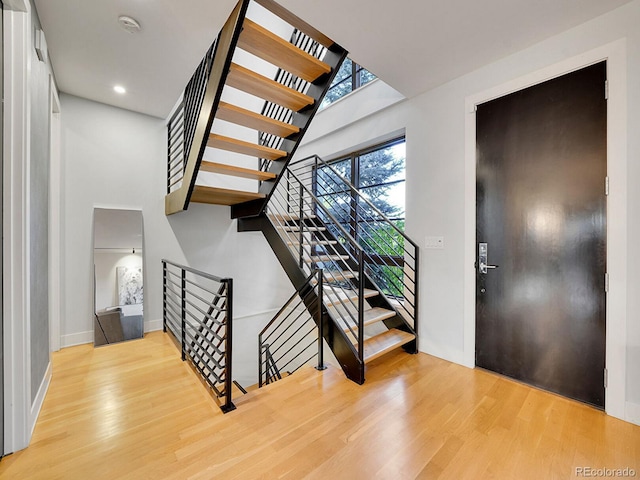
231,140
369,284
246,108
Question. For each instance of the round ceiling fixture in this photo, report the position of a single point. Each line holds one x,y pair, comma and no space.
120,89
130,24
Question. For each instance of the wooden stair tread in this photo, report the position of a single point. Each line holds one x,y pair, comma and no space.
222,196
312,243
262,43
267,89
295,228
332,276
378,345
255,121
286,217
325,258
371,316
246,148
344,295
236,171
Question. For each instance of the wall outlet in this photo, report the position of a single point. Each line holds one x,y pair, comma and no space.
434,242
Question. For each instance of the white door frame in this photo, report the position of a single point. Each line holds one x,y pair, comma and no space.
616,312
18,413
56,226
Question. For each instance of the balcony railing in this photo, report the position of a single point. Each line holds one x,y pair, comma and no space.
198,311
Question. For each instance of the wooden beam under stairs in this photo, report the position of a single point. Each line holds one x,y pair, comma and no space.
222,196
378,345
255,121
262,43
246,148
267,89
234,171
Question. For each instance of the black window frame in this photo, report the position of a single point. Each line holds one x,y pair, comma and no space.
354,78
354,178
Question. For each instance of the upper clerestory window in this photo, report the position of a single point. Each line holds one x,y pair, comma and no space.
350,77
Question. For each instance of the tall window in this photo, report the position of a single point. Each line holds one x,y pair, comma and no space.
378,173
350,77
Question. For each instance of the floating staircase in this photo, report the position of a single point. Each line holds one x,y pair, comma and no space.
231,141
215,152
369,302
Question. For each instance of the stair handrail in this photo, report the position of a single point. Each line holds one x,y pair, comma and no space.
206,337
221,53
304,296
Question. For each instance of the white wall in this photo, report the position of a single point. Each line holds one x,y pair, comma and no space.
434,123
26,163
114,158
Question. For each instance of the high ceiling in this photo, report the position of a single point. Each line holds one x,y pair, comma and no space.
413,45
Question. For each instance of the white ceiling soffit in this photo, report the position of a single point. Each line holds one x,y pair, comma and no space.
416,45
413,45
91,53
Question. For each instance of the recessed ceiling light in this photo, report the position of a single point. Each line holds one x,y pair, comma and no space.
119,89
130,24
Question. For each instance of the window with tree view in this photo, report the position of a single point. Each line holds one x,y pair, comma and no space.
350,77
378,174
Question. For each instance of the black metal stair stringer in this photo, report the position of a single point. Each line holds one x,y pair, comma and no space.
335,338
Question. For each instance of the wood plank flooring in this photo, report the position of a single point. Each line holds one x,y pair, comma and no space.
135,411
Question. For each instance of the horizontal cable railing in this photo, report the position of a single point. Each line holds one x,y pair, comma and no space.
278,112
175,149
182,125
294,212
293,337
198,311
391,258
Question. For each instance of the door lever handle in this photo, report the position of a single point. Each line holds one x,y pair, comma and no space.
482,259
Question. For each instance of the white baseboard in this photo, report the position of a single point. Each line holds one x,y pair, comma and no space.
632,412
39,400
76,339
152,326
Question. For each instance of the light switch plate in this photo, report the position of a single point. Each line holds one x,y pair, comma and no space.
434,243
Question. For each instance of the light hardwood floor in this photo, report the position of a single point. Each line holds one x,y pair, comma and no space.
135,411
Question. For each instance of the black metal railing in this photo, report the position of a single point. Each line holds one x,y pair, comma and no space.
182,125
294,336
198,311
176,158
293,211
278,112
318,234
391,258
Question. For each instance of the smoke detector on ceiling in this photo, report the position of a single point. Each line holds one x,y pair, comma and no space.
130,24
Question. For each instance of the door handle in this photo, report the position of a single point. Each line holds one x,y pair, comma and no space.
482,259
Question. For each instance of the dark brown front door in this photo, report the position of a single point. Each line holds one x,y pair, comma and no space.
541,219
